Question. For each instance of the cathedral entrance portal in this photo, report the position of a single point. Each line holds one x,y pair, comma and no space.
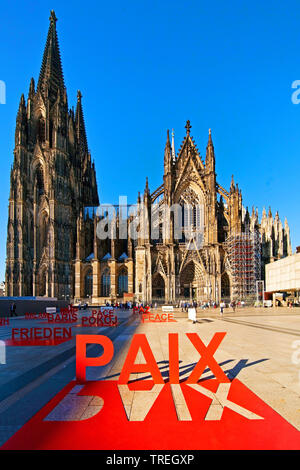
225,286
192,282
158,288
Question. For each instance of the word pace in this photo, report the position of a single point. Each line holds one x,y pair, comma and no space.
100,318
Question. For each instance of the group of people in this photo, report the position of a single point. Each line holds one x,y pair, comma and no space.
121,305
204,305
186,305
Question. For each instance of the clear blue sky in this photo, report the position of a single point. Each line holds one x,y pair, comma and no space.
146,66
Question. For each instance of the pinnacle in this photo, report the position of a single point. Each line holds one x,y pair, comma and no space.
22,106
168,139
232,183
52,17
209,137
31,88
188,127
80,125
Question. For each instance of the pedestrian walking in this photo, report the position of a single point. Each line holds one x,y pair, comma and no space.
221,308
13,309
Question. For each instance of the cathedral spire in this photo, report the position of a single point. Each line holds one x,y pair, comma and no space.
51,74
80,126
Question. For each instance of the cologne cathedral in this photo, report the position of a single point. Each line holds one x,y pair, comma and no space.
53,247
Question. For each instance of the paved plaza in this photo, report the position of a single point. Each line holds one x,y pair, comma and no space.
260,350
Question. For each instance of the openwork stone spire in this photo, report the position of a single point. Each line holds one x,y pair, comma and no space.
51,74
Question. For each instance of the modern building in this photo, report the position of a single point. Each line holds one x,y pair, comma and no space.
53,243
283,277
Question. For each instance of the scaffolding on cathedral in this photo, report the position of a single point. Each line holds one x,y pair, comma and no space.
244,263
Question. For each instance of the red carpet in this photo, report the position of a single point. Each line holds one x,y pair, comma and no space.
110,429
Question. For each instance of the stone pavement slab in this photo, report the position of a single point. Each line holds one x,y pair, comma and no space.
259,350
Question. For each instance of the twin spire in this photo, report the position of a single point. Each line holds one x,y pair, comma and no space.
51,78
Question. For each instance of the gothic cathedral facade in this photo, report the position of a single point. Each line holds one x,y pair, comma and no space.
52,245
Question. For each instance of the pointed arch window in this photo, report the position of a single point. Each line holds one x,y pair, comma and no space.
123,281
88,283
105,283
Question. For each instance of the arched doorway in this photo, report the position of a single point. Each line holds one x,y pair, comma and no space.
225,286
88,283
122,281
192,283
158,287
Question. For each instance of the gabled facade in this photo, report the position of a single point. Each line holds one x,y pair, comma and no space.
214,269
